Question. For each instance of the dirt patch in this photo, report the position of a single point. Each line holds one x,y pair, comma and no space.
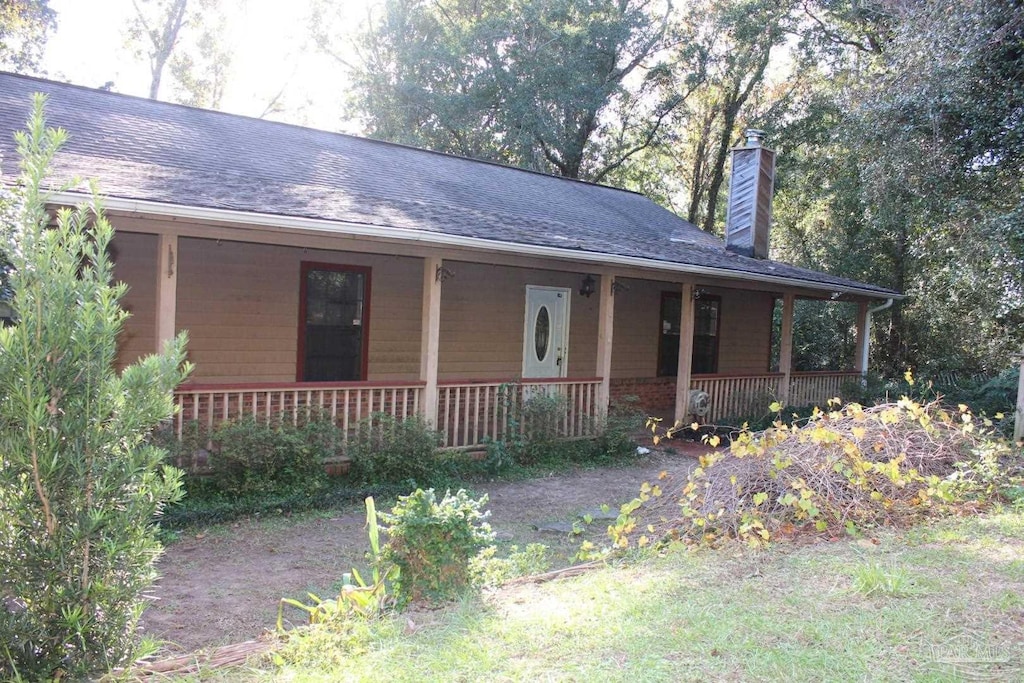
222,585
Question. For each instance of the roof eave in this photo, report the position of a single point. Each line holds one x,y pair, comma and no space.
299,223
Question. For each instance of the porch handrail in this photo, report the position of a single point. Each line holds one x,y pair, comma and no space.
191,387
346,402
470,412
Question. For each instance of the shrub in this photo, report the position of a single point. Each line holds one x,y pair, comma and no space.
79,483
993,396
490,571
534,436
616,437
251,457
388,450
189,452
540,416
432,542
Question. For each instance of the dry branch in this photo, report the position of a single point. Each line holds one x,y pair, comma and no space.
202,660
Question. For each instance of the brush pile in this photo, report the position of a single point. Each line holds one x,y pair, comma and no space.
843,470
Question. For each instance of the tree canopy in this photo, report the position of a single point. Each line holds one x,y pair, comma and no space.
898,124
24,27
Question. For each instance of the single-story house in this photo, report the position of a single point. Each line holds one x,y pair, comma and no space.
314,269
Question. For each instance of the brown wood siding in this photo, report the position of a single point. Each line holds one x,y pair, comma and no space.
135,264
637,318
482,320
745,329
240,304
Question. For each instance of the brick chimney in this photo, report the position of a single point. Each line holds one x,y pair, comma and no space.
748,215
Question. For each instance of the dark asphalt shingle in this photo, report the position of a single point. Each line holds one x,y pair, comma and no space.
147,150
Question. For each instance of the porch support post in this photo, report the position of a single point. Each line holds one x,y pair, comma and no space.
430,334
1018,426
786,347
686,322
605,326
166,288
860,360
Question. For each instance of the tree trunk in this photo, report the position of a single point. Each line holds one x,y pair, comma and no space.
164,43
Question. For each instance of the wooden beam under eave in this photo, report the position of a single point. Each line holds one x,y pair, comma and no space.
786,347
605,328
685,367
430,336
166,288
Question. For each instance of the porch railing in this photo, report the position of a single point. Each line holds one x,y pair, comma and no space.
472,413
733,395
345,402
806,388
747,395
469,413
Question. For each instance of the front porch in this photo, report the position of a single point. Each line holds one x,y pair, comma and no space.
455,337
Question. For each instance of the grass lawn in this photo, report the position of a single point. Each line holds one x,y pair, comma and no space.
902,606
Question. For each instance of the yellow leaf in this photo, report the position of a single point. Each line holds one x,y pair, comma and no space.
642,541
963,407
999,416
657,439
909,376
694,426
662,474
858,432
775,407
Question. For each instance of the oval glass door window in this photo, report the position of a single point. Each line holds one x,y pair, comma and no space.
542,333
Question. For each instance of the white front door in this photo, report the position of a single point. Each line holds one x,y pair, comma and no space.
546,334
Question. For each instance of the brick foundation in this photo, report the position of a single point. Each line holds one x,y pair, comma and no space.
653,394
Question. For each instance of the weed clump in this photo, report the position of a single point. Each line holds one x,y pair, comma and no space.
432,541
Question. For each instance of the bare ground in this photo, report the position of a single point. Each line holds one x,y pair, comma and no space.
223,584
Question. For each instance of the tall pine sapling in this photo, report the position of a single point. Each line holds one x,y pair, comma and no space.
80,486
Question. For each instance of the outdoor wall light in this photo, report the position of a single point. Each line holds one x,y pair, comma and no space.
587,287
443,274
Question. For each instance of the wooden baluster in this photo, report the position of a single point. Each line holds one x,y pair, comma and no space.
345,407
461,420
446,393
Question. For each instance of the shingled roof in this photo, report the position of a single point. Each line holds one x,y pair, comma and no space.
140,149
